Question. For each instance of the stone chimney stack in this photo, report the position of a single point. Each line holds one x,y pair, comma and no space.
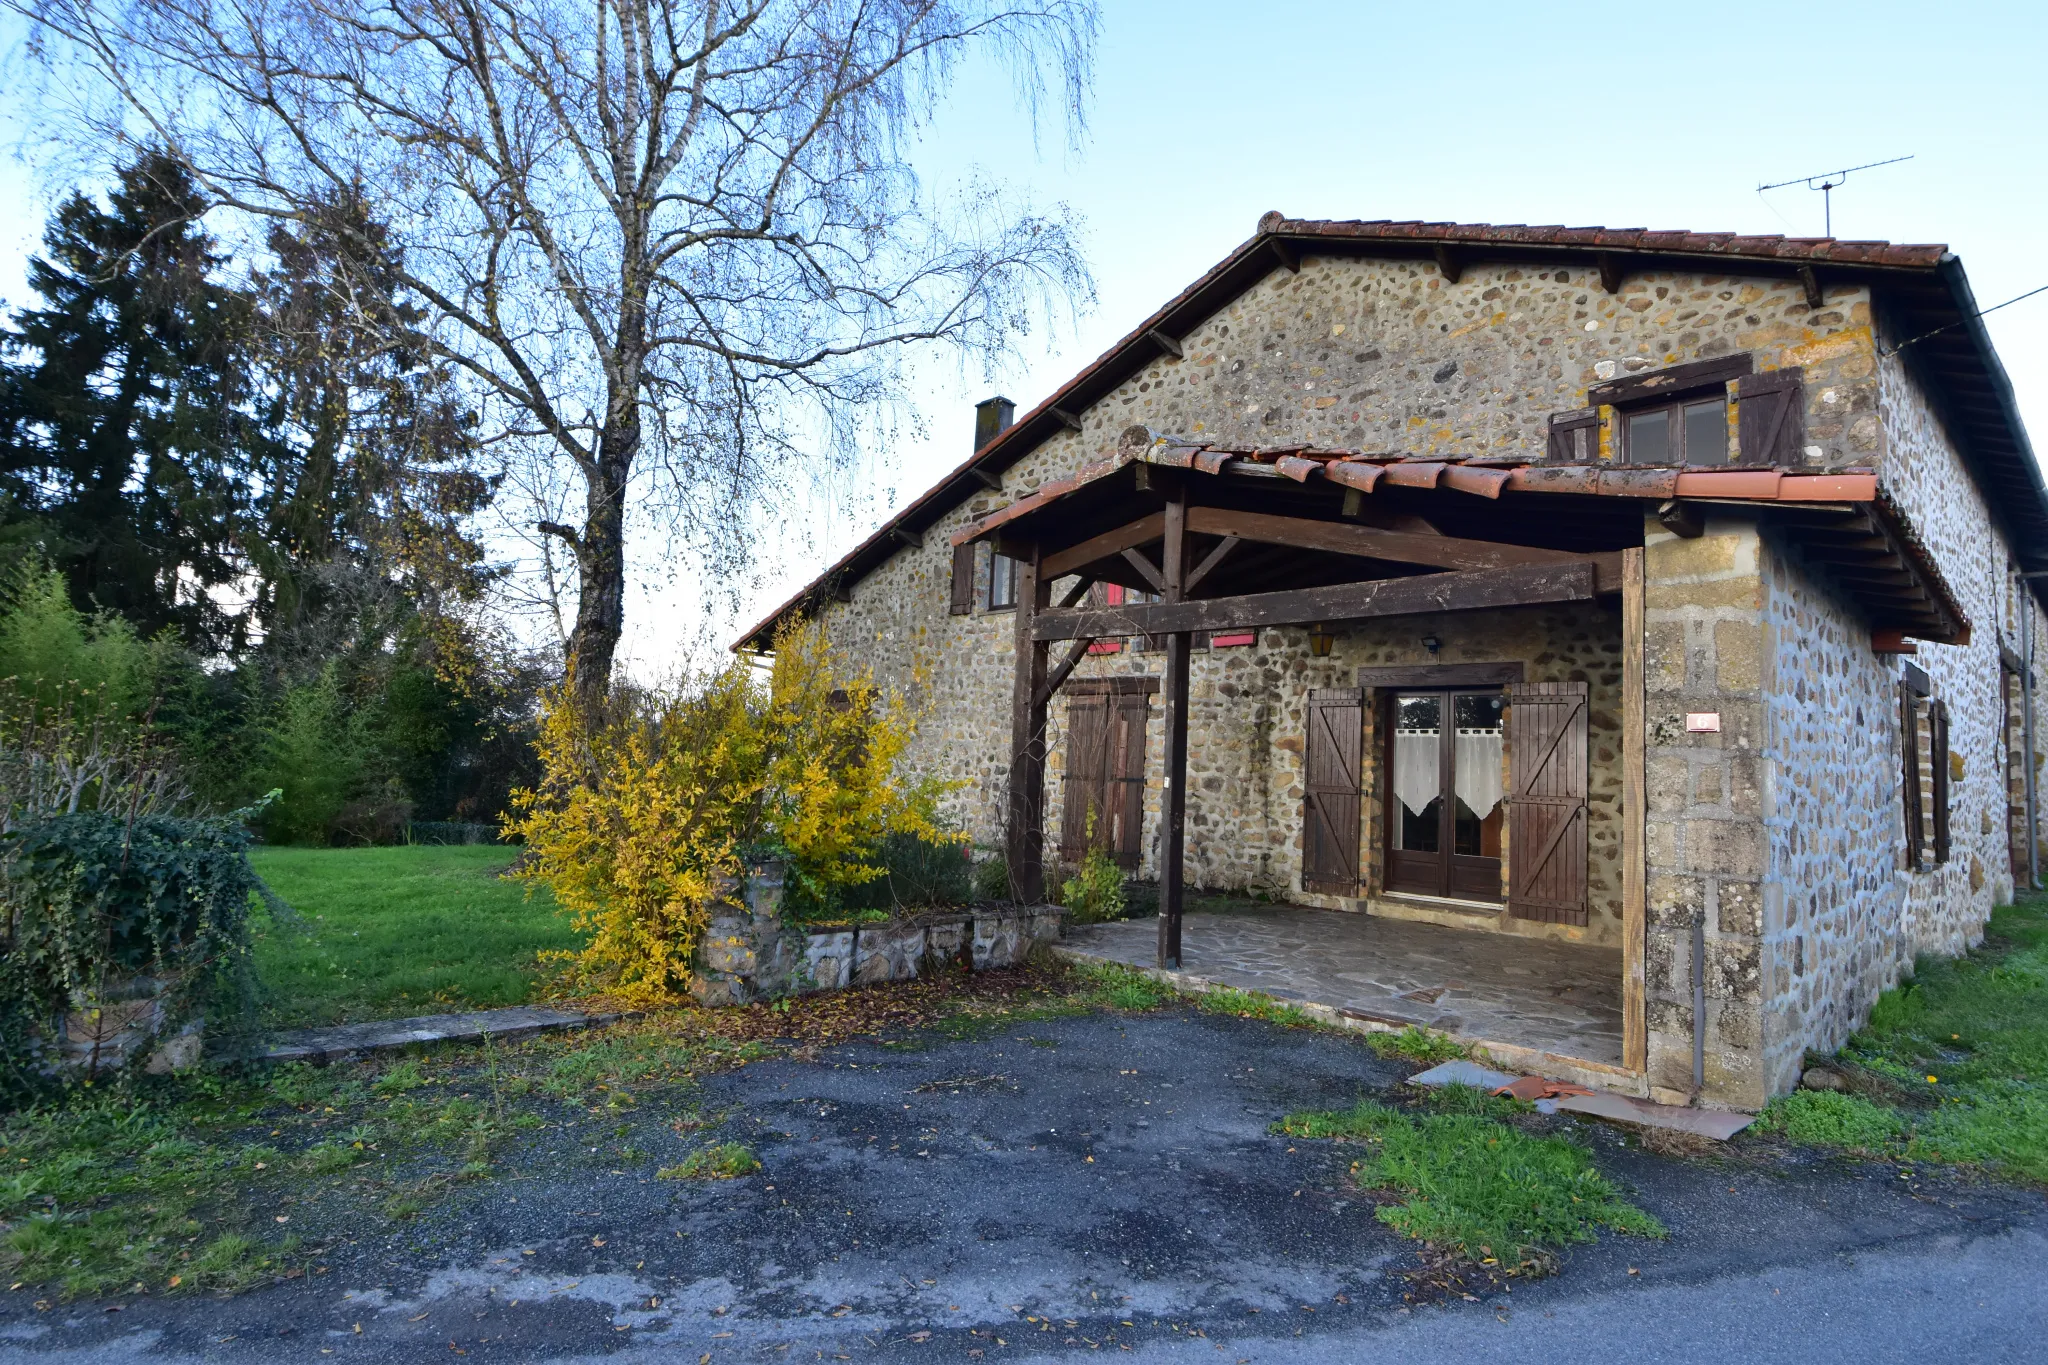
992,417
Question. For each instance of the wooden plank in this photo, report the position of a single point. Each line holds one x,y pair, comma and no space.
1672,379
1064,670
1400,547
1338,602
1146,569
1442,675
1210,561
1025,837
1143,531
1635,1045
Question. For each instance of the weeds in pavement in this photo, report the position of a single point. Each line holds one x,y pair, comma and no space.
1111,985
1953,1065
1492,1193
1253,1005
1416,1045
725,1161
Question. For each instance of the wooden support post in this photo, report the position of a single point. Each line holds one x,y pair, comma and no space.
1635,1049
1173,803
1025,849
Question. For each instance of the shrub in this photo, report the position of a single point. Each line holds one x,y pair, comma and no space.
916,873
92,899
641,816
992,878
1096,891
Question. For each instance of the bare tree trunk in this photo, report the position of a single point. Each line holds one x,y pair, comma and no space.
601,590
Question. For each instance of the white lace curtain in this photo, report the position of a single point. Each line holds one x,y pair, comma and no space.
1475,767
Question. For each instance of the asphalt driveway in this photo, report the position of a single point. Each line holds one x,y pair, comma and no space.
1100,1183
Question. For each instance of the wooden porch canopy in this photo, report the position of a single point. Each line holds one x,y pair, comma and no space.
1258,538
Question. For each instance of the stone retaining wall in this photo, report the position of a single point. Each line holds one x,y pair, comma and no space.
750,953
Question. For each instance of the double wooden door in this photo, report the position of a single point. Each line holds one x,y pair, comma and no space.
1103,802
1444,793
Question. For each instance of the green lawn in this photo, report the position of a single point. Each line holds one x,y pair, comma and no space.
1953,1065
397,931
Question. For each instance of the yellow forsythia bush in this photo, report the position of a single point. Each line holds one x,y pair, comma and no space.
637,818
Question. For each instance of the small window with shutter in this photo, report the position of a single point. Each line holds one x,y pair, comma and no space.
962,603
1925,773
1575,436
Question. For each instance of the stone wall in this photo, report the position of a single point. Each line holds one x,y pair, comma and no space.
1372,354
1706,647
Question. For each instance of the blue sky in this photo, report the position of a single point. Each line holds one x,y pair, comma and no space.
1208,114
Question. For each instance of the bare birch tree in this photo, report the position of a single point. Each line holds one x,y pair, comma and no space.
661,240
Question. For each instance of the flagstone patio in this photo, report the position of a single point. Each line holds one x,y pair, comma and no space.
1560,998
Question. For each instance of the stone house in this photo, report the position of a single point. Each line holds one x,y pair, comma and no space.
1667,599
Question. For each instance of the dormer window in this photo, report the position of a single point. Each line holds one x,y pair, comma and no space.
1687,431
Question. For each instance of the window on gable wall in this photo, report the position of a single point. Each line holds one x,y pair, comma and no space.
1002,582
1924,758
1681,415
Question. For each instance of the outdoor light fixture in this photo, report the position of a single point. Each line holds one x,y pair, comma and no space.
1319,640
1431,643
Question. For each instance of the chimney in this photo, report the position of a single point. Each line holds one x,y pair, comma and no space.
992,417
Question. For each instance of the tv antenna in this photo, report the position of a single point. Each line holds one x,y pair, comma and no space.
1826,182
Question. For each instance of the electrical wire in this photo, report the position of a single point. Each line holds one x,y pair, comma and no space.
1889,353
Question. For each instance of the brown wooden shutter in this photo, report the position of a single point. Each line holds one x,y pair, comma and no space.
1771,409
1909,756
1547,802
1330,803
963,580
1575,436
1086,773
1121,826
1937,734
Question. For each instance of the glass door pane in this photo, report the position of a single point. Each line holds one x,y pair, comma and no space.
1418,773
1476,780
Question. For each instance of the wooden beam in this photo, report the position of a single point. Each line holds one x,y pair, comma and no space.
1681,519
1610,271
1145,567
987,478
1074,594
1286,255
1025,836
914,539
1066,419
1441,675
1635,1045
1450,261
1143,531
1063,670
1210,561
1164,342
1399,547
1337,602
1174,782
1810,282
